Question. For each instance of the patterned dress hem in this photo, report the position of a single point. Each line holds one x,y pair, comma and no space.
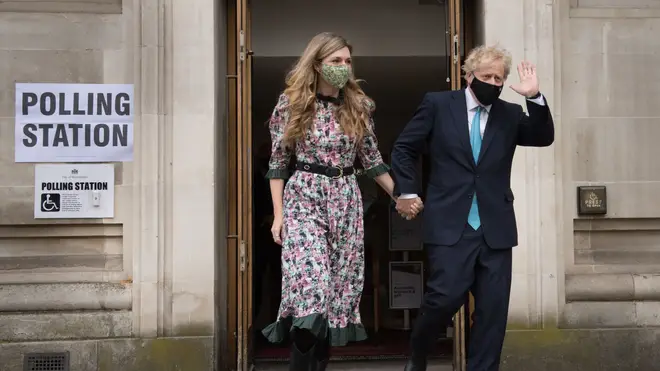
317,324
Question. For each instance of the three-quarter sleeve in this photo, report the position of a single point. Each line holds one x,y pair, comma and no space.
278,166
368,152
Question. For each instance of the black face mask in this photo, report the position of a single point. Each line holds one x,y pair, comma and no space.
485,93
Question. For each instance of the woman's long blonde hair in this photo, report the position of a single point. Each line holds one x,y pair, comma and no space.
301,84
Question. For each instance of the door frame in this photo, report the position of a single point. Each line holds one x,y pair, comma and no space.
455,29
239,182
232,185
239,185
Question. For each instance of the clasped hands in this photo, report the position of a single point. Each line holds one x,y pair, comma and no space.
408,208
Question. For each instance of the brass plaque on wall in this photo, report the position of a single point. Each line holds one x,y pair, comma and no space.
592,200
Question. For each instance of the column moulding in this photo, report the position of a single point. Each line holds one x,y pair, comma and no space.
151,297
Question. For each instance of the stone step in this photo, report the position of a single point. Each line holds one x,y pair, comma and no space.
361,366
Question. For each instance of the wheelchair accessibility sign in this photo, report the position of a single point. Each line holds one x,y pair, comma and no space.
74,191
50,202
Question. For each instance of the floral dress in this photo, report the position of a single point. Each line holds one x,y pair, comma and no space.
323,244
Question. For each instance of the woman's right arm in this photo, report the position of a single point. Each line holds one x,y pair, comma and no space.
280,158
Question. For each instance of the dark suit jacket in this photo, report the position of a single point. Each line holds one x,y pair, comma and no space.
440,124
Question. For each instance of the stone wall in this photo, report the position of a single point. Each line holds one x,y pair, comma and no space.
150,271
537,175
53,270
585,289
611,98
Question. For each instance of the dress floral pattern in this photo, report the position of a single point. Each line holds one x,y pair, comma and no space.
323,244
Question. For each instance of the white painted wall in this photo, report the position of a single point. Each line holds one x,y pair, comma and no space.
374,27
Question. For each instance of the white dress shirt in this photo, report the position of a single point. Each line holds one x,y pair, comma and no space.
472,105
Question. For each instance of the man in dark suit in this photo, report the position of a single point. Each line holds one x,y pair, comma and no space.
469,222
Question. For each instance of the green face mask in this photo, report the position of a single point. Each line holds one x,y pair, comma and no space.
336,76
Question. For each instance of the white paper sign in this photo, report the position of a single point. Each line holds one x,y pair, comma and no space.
406,285
74,191
74,123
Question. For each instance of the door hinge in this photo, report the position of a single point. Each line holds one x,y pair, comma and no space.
456,51
241,44
242,256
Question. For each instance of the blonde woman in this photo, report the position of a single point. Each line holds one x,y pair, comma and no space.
324,119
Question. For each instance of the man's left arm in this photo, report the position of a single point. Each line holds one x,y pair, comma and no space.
537,129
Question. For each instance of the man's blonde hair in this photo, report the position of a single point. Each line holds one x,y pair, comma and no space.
487,54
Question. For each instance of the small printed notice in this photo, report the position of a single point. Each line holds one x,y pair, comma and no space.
74,122
405,235
74,191
406,285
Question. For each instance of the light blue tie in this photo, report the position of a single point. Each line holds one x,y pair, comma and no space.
475,141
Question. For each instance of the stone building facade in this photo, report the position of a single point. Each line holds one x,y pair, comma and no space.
146,290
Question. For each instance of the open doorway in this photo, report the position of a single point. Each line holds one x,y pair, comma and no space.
402,50
396,100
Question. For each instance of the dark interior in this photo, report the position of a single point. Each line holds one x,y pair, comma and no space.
397,85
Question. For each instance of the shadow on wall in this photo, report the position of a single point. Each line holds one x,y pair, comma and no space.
374,27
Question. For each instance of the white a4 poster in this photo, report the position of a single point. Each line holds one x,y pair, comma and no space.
74,123
74,191
406,284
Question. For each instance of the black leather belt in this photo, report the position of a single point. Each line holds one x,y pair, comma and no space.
329,171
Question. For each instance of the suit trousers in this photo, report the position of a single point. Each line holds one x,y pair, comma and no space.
468,266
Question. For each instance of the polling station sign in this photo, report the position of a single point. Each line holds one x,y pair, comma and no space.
74,191
74,122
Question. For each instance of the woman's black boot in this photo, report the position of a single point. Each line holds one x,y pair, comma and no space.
300,361
322,354
303,349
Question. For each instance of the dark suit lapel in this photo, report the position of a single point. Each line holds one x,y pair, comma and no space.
458,108
491,129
